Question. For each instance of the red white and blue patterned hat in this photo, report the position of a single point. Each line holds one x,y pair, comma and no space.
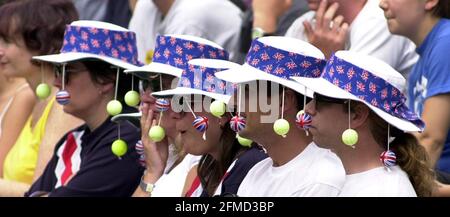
199,78
172,52
350,75
86,39
276,59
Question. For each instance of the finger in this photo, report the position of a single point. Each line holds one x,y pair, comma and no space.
144,111
320,12
343,32
337,22
308,30
147,124
329,15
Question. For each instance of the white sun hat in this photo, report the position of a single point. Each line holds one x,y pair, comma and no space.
172,52
276,59
87,39
358,77
199,78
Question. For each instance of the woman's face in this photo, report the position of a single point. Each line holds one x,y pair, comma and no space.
169,117
404,16
192,140
84,93
15,59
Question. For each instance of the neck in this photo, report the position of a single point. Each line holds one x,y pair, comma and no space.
96,114
163,5
282,150
363,157
424,28
351,11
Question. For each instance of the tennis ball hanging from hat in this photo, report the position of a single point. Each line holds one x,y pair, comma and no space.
62,97
350,137
243,141
119,148
132,98
281,127
114,107
156,133
43,91
217,108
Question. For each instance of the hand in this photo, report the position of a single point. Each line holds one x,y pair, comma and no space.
267,12
156,154
330,31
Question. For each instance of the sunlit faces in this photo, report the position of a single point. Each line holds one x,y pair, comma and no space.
404,16
191,138
15,59
329,120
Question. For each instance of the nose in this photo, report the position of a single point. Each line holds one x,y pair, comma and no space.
57,82
383,4
310,107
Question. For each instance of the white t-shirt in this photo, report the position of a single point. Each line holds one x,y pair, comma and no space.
172,184
369,34
216,20
314,172
378,182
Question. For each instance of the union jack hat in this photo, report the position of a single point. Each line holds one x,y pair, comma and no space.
276,59
199,78
87,39
172,52
358,77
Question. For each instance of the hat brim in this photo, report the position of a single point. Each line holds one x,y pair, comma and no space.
133,118
324,87
155,68
189,91
75,56
247,73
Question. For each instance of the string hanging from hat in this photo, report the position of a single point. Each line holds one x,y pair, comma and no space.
160,89
200,123
117,83
42,90
304,106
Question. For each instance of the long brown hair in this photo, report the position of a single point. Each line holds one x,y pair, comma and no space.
442,9
411,156
210,170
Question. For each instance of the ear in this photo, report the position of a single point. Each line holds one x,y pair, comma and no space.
359,115
106,87
290,101
430,4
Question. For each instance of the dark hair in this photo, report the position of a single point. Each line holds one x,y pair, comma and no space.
211,170
40,23
442,9
411,156
102,73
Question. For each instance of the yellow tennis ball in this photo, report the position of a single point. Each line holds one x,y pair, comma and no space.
114,107
244,142
119,148
350,137
156,133
132,98
217,108
281,127
43,91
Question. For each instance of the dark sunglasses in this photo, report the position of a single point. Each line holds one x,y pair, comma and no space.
153,85
318,98
70,70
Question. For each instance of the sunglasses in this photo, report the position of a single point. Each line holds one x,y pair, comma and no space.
321,99
70,70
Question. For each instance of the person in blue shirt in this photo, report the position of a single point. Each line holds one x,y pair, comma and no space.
427,24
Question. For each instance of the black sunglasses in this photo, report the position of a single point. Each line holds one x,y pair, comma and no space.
318,98
70,70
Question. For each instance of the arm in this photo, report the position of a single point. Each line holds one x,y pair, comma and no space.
267,12
155,153
14,120
12,189
442,190
436,115
58,124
